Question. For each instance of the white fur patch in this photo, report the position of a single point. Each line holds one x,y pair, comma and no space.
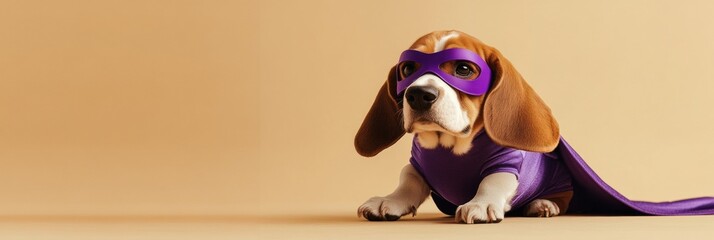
446,110
492,199
441,43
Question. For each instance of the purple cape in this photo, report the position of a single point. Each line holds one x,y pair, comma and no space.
454,180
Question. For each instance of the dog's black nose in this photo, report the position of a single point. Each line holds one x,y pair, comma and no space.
421,98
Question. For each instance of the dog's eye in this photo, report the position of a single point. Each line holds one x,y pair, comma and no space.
407,69
463,70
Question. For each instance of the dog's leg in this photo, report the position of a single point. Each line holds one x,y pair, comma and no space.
411,192
549,206
492,200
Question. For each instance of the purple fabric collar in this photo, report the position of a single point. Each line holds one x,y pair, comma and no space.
429,63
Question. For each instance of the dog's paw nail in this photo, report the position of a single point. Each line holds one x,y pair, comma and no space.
371,217
390,217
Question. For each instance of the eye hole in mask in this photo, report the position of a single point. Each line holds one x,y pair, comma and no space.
462,69
407,68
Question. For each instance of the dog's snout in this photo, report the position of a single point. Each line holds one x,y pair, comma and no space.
421,98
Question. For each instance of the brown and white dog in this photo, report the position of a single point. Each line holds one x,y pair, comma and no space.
510,112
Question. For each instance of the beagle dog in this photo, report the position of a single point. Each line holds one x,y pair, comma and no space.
445,115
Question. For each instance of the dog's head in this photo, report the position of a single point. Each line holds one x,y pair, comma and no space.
478,88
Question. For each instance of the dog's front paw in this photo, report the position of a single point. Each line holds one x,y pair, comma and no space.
480,212
385,208
542,208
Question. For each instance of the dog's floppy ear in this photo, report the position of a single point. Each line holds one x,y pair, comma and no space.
514,115
382,126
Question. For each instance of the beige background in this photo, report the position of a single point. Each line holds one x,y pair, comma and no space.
225,107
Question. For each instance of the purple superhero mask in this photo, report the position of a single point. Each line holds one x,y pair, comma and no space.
429,63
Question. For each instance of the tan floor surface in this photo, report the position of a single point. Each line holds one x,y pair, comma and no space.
345,225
